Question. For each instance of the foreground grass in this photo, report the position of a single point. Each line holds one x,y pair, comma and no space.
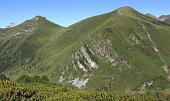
11,91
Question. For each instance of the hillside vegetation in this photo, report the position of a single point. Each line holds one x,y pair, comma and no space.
11,91
122,50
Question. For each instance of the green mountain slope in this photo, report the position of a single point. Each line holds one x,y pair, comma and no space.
20,44
120,50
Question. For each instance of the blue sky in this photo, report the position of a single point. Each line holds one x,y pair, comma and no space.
67,12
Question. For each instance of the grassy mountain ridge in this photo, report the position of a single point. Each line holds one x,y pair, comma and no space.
120,50
24,45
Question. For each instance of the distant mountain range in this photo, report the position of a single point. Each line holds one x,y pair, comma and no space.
163,18
120,50
11,25
151,15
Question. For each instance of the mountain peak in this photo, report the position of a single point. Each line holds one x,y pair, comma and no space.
126,10
165,18
151,15
38,18
11,25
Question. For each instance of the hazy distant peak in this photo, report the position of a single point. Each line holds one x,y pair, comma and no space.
11,25
151,15
165,18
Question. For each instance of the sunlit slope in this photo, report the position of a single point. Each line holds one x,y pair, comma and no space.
120,50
